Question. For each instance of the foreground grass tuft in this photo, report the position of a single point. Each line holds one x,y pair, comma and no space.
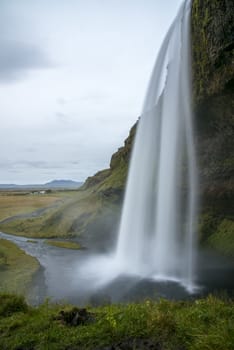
202,324
10,304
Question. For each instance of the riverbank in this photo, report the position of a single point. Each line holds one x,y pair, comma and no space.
65,274
24,213
202,324
59,214
34,267
17,268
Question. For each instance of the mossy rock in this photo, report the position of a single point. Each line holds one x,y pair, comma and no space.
223,239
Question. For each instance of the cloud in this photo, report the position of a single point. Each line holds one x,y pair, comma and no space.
25,164
62,117
30,149
94,97
18,57
61,101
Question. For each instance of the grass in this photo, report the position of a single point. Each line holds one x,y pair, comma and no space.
65,219
67,214
205,324
16,268
63,244
12,303
117,177
40,225
16,203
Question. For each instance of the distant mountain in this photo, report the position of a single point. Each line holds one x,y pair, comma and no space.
62,184
55,184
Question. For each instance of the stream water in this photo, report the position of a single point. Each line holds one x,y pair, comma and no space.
62,277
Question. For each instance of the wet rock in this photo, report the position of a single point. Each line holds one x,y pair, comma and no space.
75,317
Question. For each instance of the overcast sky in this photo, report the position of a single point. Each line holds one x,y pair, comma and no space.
73,75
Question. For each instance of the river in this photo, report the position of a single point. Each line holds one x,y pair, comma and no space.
62,277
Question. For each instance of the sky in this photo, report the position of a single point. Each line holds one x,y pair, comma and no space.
73,76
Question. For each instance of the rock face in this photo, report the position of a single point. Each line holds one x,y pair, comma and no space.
213,88
213,45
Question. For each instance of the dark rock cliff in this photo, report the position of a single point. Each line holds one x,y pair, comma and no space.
213,87
213,45
213,94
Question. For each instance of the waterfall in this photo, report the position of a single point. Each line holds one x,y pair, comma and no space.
158,223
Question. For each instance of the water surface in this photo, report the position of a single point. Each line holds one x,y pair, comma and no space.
63,277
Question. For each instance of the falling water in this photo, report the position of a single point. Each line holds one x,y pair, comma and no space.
156,237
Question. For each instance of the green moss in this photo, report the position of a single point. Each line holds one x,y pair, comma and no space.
223,239
207,226
213,72
96,179
211,35
202,324
117,178
63,244
217,233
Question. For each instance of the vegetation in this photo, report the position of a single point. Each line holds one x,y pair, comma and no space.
76,213
20,202
223,239
213,77
201,324
63,244
31,241
16,268
54,219
212,46
12,303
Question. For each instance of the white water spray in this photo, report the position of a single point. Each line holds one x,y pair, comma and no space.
156,237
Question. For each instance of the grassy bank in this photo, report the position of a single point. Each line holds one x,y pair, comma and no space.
202,324
80,213
16,268
63,244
